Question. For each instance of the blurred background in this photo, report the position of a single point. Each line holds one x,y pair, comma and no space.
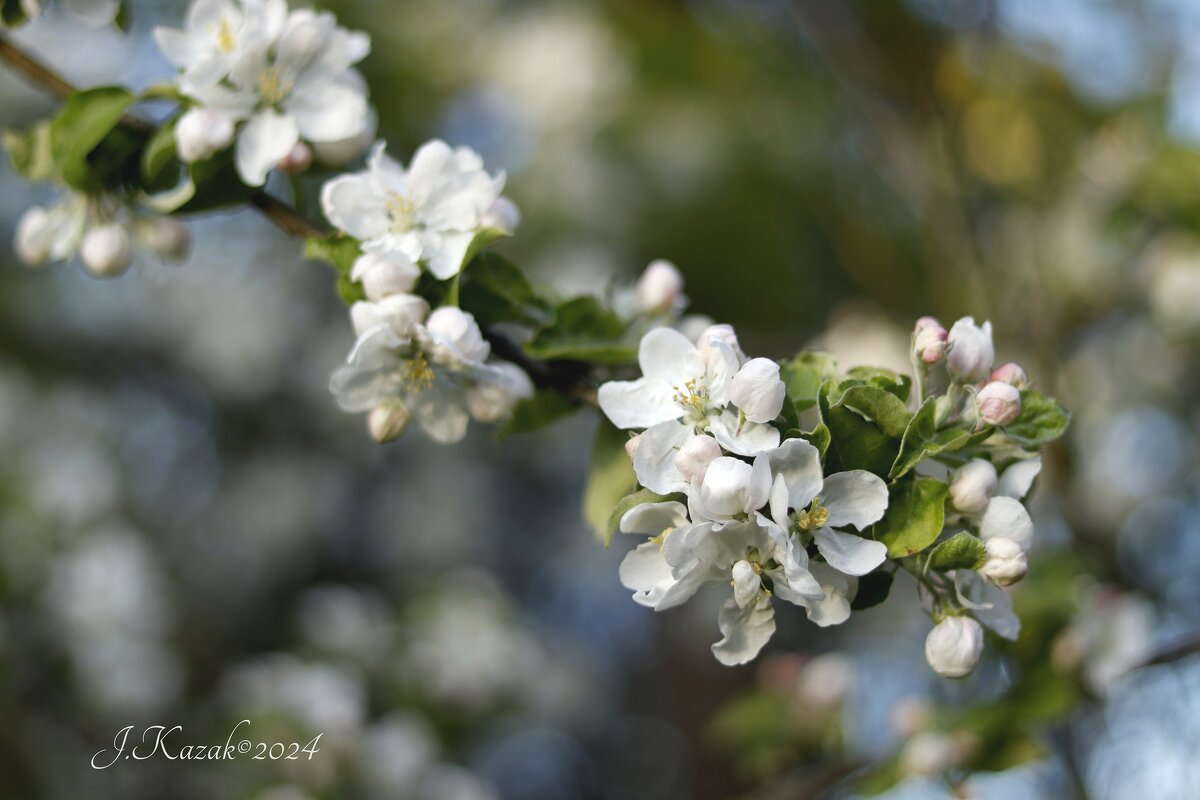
191,533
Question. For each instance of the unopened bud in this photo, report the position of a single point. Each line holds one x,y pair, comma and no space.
660,287
387,422
757,390
929,340
695,455
503,215
297,161
106,250
928,753
954,646
726,487
973,485
201,133
166,237
382,277
969,350
721,333
34,236
1006,563
1011,373
999,403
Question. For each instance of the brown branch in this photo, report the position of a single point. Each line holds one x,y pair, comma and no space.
571,378
1176,651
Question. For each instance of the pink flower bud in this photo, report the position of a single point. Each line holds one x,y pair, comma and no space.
297,161
660,288
383,277
631,446
999,403
929,340
695,456
1011,373
969,350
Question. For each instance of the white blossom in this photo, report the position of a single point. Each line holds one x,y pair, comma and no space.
969,350
281,79
201,133
429,213
435,370
1011,372
953,647
757,390
681,394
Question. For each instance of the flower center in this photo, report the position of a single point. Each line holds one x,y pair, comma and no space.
417,374
271,87
813,518
225,38
401,211
692,398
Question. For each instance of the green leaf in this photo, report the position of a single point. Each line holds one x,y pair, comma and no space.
583,330
495,290
922,440
1042,420
85,120
914,518
340,252
610,478
12,12
803,376
216,185
158,154
530,414
886,379
613,526
960,551
873,589
31,152
865,425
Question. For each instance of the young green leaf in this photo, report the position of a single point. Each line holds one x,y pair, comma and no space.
803,376
31,152
960,551
85,120
865,425
923,440
585,330
496,290
914,518
610,477
543,408
1042,420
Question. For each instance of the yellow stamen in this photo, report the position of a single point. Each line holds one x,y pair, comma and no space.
417,374
271,87
225,38
693,397
815,517
400,209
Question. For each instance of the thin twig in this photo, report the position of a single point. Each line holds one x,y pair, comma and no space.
571,378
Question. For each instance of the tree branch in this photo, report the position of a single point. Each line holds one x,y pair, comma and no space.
571,378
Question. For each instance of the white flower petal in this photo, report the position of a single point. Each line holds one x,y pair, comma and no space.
848,553
666,355
989,604
328,111
1018,478
354,204
445,257
746,630
749,439
263,142
646,572
654,461
1006,518
834,607
856,497
653,519
757,390
638,404
799,464
441,414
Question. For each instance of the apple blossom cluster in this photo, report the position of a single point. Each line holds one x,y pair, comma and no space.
279,82
734,489
102,230
408,361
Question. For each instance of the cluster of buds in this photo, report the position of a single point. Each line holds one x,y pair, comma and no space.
968,355
103,231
